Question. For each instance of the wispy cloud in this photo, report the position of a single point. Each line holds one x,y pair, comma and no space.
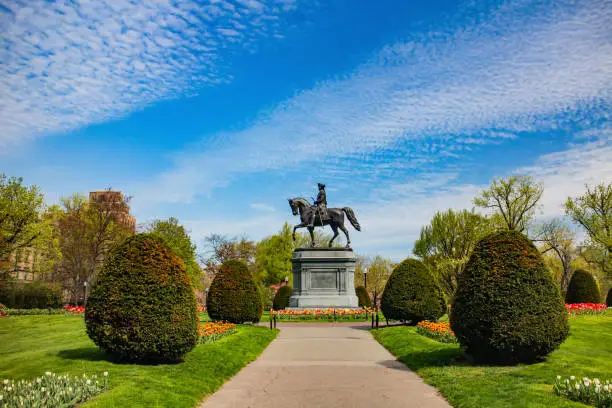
262,207
522,68
68,64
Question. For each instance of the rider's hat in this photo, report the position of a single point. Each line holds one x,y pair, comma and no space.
321,185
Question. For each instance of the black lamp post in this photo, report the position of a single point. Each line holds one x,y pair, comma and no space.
365,278
85,293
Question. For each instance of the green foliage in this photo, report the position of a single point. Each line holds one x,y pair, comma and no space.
35,295
142,306
513,201
178,240
20,207
51,390
378,271
363,296
447,242
281,299
273,257
609,298
234,296
506,308
582,288
412,294
593,211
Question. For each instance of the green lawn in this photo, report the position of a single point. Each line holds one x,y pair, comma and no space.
586,352
31,345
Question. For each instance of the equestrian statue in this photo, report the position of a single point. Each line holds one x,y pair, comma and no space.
318,215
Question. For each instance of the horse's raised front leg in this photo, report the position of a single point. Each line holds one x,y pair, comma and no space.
302,225
335,229
348,240
311,230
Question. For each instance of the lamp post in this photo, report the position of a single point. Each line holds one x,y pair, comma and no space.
85,293
286,280
365,278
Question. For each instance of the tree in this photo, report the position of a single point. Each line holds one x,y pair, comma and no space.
593,211
555,236
20,207
177,238
222,249
273,257
447,242
87,232
512,200
378,271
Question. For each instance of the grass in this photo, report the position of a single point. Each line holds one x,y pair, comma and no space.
31,345
586,353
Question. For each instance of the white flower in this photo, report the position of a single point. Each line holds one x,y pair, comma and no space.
1,397
106,373
42,389
38,380
558,377
577,386
572,378
48,373
69,389
596,381
9,389
5,381
88,382
606,387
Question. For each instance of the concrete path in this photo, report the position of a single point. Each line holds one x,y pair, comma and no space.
325,365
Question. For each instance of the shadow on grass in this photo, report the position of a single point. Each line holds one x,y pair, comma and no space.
95,354
429,358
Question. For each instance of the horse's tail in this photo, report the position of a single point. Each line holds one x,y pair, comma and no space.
351,216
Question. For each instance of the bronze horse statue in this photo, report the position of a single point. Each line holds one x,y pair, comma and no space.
335,219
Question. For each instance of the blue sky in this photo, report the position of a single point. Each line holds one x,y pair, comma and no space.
216,112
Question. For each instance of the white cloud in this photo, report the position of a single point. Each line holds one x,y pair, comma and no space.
521,69
69,64
262,207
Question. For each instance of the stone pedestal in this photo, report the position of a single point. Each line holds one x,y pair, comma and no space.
323,278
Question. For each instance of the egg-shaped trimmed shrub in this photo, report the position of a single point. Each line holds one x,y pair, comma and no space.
506,308
609,298
412,294
281,299
233,295
142,306
582,288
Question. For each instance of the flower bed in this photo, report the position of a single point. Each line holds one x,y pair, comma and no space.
74,309
50,390
438,331
322,314
3,311
585,308
213,331
587,391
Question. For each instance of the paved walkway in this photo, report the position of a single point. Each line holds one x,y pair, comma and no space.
325,365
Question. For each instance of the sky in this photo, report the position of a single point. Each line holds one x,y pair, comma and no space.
216,112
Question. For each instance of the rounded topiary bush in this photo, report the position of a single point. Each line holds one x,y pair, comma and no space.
281,299
609,298
142,306
233,295
412,294
582,288
506,308
363,296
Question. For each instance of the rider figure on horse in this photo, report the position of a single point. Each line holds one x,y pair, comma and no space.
320,206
